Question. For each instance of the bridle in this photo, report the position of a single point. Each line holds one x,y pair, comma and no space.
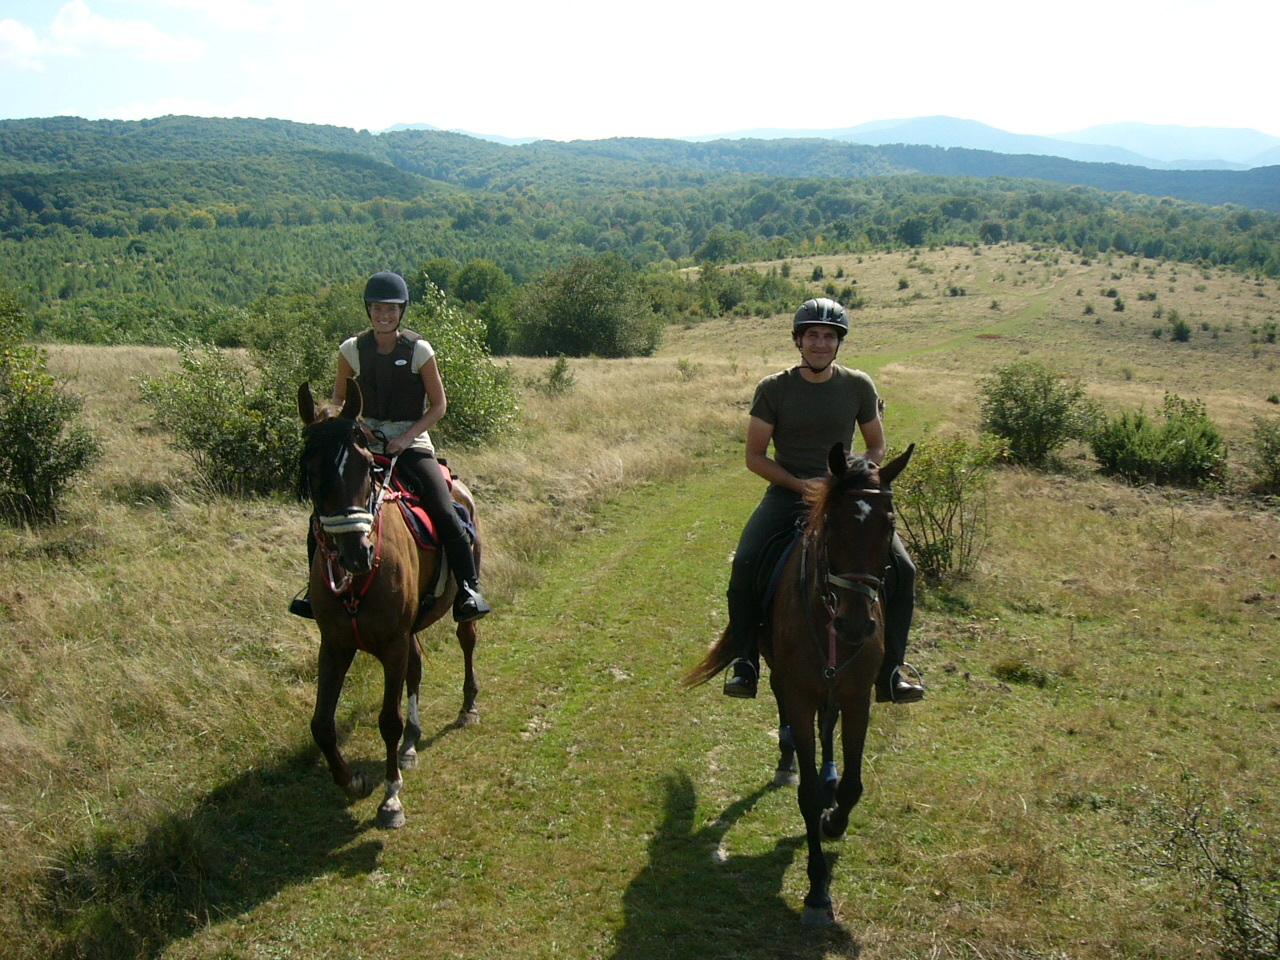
353,519
865,585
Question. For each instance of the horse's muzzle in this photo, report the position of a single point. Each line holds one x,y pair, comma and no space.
356,552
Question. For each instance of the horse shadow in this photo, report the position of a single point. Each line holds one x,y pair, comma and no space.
693,901
241,845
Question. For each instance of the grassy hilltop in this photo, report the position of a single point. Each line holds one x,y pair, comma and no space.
1108,674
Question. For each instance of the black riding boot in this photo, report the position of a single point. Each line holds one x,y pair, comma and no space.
300,606
744,672
899,681
468,604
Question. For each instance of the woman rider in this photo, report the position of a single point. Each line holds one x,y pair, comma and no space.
403,398
804,411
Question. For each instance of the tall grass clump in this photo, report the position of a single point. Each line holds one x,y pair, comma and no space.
942,500
1181,447
41,450
1033,409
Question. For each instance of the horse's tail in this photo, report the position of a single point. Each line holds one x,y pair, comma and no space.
718,657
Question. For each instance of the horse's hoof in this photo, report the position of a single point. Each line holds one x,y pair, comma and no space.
467,718
818,916
408,759
785,778
391,817
830,831
358,787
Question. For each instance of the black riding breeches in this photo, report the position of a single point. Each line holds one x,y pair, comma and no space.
421,471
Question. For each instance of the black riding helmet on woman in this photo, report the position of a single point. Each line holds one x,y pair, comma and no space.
403,398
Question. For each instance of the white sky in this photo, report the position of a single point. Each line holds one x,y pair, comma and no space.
585,69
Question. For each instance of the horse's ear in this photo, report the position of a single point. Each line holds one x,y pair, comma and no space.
890,471
354,402
306,404
836,462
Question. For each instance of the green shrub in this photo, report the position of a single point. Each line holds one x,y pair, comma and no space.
1264,452
41,450
941,503
1032,409
591,307
557,381
1183,448
481,397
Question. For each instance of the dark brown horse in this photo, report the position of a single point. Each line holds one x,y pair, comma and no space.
368,581
823,641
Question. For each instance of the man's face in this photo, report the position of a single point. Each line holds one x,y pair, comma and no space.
818,344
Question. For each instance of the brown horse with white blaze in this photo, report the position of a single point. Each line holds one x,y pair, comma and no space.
823,640
368,580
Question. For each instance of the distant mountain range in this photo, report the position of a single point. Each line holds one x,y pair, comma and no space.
1137,144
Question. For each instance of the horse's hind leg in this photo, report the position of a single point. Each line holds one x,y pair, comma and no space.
468,715
333,668
413,723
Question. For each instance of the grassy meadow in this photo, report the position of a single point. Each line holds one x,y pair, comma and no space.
1107,677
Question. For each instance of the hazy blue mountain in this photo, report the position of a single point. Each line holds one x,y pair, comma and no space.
1136,144
1185,147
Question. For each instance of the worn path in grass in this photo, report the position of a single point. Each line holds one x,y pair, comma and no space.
599,809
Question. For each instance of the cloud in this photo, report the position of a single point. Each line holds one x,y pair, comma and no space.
76,31
19,46
261,16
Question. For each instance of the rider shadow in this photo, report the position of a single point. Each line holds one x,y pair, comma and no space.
691,901
242,844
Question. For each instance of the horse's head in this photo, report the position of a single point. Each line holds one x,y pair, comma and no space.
335,472
853,519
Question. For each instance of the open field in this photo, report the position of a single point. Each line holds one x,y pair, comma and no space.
1112,664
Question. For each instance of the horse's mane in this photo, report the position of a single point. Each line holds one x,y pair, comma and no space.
326,430
860,472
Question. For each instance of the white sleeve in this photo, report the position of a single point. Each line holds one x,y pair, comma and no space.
351,353
422,352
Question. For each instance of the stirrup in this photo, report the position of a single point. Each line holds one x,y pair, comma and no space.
914,686
300,606
742,680
468,605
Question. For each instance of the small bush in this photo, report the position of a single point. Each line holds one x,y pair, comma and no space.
557,381
1264,452
1034,410
41,450
942,503
1184,448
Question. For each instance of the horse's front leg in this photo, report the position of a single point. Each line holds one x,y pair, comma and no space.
853,735
333,668
391,726
817,902
413,722
830,772
467,636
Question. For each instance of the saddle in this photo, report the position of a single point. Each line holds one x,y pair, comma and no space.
415,515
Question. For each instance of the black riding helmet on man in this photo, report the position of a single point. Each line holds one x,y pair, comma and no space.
802,412
403,398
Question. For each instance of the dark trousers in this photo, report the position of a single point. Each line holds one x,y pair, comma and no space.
421,471
780,510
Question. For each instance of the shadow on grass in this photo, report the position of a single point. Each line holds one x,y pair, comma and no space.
270,828
691,902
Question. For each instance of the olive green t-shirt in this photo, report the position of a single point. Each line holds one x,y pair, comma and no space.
809,418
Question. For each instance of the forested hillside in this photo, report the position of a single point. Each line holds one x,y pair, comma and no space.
115,231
